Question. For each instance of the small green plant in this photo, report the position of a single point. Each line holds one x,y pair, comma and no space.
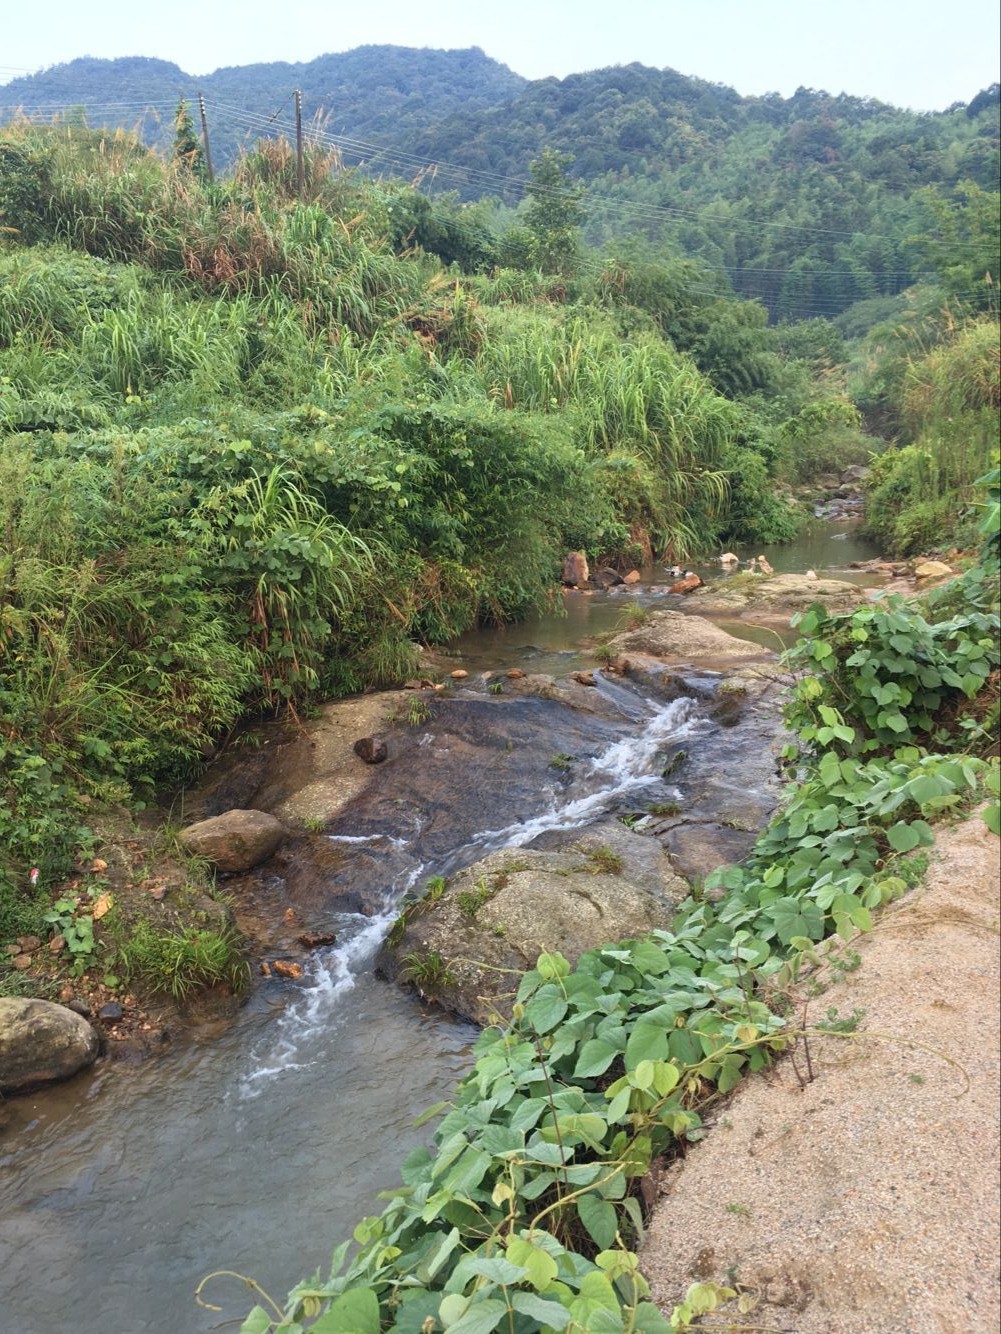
847,962
315,824
470,901
740,1210
560,761
76,929
496,688
395,933
635,616
838,1023
916,1079
664,808
427,971
606,861
418,711
434,888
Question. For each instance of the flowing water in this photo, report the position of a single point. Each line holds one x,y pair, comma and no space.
255,1146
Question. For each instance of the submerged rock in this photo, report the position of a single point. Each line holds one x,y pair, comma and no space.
41,1042
236,840
465,948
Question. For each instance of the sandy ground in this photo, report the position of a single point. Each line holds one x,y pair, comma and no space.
868,1200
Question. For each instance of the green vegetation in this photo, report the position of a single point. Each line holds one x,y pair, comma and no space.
945,402
813,204
179,962
526,1211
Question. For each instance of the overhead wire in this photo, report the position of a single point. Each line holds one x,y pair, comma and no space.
373,156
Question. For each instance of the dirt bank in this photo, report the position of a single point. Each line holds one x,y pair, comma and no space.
866,1202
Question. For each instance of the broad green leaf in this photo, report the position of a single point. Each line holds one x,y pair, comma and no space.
481,1318
595,1287
596,1056
495,1268
600,1219
550,1314
257,1322
648,1320
544,1012
902,837
354,1312
647,1042
541,1267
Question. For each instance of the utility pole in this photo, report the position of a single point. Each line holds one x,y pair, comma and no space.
205,139
300,166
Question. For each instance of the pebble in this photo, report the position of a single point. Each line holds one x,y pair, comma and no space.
111,1013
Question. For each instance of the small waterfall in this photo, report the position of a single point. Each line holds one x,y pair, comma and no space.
624,767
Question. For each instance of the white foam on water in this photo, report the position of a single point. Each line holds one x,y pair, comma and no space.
624,767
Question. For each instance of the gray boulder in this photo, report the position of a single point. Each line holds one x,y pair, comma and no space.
465,948
41,1042
674,634
777,594
235,840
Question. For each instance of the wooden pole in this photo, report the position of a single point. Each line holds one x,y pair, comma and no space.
300,166
205,139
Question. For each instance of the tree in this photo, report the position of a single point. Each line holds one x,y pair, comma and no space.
186,150
554,214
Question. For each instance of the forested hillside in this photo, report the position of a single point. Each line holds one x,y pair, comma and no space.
810,203
259,447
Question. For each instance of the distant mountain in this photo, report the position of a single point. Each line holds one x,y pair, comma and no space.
373,92
810,202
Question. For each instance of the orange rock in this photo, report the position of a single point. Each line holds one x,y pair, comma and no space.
583,678
687,585
99,864
515,674
633,577
286,968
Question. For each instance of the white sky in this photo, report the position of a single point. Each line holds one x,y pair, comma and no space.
922,54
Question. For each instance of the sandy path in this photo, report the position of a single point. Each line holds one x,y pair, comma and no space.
867,1201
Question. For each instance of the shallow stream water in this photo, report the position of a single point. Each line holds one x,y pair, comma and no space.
257,1145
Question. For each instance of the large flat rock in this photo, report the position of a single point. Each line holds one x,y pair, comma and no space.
776,594
677,636
465,947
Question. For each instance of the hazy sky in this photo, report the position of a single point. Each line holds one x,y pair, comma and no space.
923,54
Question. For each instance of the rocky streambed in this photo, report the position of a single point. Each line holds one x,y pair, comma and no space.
515,792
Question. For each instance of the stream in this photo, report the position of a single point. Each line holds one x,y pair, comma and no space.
257,1144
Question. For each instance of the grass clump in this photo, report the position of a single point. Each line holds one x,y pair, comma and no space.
178,962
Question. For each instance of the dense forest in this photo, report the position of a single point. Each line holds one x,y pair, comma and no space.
810,203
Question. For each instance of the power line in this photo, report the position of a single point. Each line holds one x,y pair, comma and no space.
653,212
373,155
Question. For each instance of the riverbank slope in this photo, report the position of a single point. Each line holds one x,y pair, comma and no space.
866,1200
